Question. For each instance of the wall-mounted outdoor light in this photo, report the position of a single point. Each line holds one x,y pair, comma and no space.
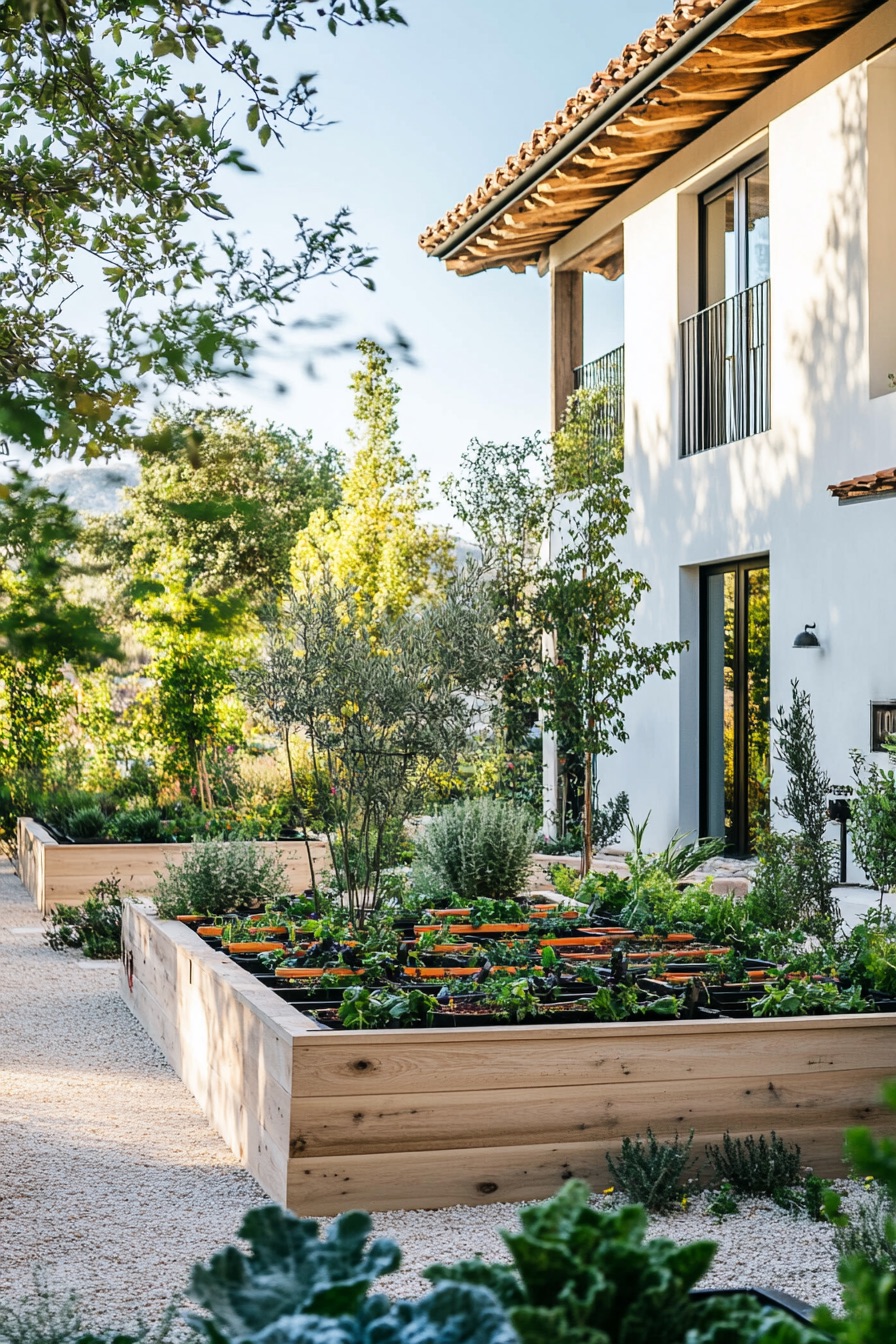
807,639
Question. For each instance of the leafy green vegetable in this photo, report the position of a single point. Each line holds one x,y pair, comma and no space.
581,1275
296,1287
798,998
371,1008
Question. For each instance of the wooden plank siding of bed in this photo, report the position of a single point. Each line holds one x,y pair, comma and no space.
57,874
496,1114
329,1121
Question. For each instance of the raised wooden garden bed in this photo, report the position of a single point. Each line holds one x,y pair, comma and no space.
426,1118
58,874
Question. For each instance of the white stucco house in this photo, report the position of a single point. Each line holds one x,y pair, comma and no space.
738,165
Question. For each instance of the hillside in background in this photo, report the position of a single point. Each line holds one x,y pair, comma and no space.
93,488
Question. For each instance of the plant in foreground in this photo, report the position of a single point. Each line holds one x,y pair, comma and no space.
94,927
650,1171
581,1275
869,1285
296,1287
755,1166
868,1231
578,1275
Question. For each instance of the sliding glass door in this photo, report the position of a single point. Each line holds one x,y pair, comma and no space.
734,717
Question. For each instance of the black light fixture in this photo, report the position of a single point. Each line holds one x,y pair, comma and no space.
806,639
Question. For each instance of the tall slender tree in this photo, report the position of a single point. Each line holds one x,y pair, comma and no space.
377,541
588,598
500,496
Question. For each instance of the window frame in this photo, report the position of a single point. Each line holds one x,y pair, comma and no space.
738,180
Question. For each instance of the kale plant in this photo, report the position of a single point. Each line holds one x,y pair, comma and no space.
295,1287
581,1275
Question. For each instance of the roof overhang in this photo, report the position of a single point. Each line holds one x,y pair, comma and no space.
876,485
699,63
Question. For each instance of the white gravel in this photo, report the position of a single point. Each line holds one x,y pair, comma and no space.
112,1183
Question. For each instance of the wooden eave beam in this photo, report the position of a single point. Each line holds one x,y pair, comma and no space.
762,45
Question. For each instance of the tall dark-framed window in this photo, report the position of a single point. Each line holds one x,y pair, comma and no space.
734,234
734,700
725,346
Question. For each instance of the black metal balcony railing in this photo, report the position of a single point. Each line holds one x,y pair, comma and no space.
608,374
725,371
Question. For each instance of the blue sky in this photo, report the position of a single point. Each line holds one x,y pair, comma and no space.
420,115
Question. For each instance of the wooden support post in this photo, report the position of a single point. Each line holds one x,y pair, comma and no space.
567,339
567,353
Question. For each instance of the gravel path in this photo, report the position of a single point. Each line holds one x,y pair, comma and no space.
112,1183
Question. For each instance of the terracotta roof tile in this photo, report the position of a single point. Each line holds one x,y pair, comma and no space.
667,30
510,220
861,487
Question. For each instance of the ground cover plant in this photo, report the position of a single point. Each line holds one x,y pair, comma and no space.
649,1171
754,1166
93,928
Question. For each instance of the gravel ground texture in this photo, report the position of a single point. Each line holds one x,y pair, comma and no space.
112,1183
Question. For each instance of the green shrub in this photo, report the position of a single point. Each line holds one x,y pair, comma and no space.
797,871
60,806
756,1166
868,956
649,1171
85,823
869,1231
477,848
724,1202
94,927
807,1197
136,825
217,876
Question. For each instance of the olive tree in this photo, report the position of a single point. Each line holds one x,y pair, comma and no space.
382,718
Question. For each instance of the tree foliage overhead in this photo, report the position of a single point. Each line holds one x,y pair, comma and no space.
40,619
376,541
117,118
